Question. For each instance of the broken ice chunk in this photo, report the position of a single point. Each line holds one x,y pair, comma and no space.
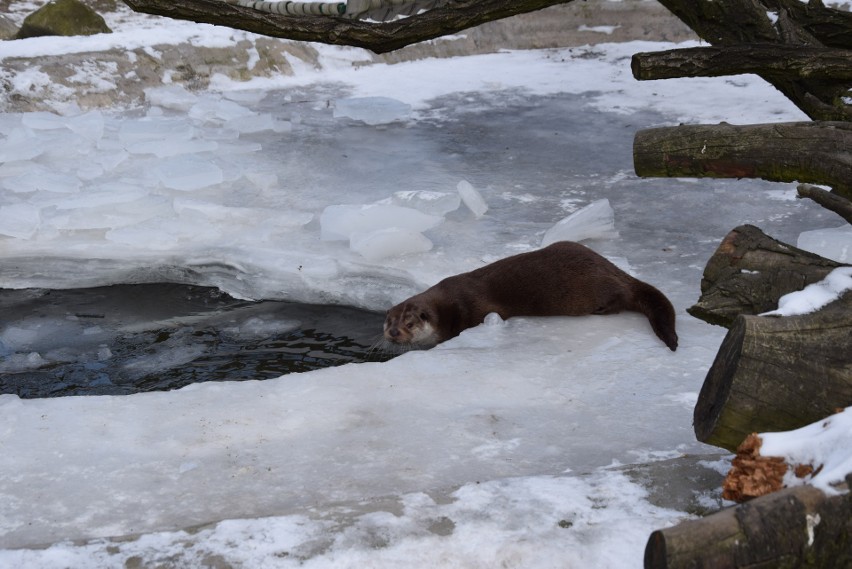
472,198
433,203
390,242
88,125
19,220
258,123
172,147
41,180
188,173
155,129
43,121
339,222
210,109
372,110
172,97
595,221
20,145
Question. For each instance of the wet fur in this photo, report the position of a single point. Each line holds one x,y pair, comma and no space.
563,279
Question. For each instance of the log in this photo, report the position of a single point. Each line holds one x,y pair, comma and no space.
814,152
377,37
750,271
791,61
829,200
797,527
777,374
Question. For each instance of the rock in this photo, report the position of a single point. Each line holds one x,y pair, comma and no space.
8,29
63,18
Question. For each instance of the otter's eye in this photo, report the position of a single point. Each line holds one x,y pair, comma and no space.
410,325
424,316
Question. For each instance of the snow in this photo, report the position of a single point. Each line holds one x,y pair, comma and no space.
500,447
816,295
823,445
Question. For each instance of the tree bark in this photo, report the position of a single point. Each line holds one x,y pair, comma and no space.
750,271
383,37
737,22
817,152
788,61
777,374
797,527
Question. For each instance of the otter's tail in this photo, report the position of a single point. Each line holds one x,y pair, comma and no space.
660,312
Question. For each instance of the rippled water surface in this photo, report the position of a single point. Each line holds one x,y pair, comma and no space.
133,338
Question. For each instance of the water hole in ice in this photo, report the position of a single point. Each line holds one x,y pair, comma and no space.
126,339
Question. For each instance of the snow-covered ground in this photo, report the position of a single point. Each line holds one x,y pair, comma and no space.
503,446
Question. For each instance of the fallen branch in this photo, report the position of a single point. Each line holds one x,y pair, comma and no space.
839,205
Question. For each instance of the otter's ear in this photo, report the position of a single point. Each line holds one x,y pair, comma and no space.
424,317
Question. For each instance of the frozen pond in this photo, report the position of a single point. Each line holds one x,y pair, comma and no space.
512,432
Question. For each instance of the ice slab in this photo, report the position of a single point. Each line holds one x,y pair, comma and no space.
45,181
390,242
372,110
188,173
133,131
172,97
258,123
19,220
88,125
172,147
218,110
472,198
20,145
431,202
109,214
340,222
834,243
595,221
43,121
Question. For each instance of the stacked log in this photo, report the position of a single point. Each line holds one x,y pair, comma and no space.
795,527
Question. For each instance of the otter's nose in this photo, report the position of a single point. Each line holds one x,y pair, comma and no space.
393,332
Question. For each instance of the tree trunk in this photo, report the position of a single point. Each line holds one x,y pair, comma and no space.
791,61
817,152
797,527
777,374
377,37
750,271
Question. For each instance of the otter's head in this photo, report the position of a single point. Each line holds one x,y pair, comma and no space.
412,324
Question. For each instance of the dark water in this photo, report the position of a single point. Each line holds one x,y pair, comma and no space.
131,338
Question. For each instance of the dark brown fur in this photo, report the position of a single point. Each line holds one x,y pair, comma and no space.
563,279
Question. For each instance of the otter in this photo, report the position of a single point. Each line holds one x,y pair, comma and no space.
563,279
